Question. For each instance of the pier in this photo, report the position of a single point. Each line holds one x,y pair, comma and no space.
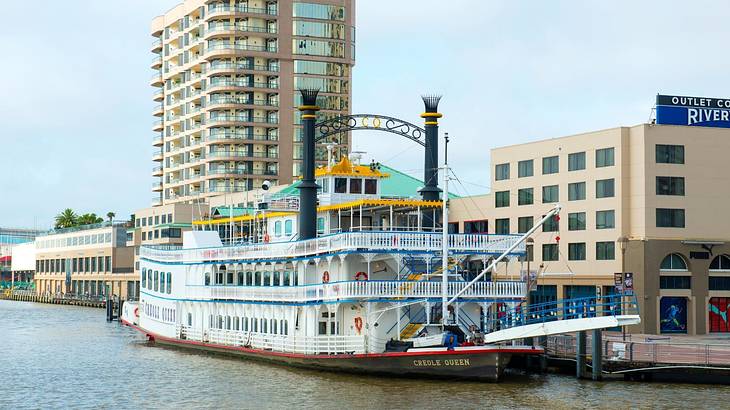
59,299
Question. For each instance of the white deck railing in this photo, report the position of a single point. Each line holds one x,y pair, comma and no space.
357,290
347,241
276,343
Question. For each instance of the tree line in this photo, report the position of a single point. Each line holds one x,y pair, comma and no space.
68,218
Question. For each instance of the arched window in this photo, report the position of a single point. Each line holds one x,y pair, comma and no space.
288,227
240,279
169,283
721,262
207,278
674,261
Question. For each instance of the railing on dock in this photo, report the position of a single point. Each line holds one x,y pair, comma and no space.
357,290
348,241
276,343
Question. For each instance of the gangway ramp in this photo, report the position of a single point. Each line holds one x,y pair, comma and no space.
561,326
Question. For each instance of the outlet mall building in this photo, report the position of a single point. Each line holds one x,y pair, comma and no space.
651,199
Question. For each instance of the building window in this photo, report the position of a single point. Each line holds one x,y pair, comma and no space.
577,251
475,226
525,168
669,154
524,196
550,225
576,161
669,218
670,186
720,283
673,262
501,199
501,226
720,263
501,172
577,221
604,188
550,165
675,282
605,219
577,191
604,157
524,223
605,251
550,193
549,252
529,253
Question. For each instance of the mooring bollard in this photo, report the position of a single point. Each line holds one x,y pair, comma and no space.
597,354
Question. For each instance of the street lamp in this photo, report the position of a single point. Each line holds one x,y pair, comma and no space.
623,242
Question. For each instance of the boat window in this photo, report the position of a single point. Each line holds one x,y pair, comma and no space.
355,186
274,326
267,278
257,281
162,282
286,278
149,279
249,278
157,281
245,324
229,280
240,279
207,278
277,279
341,185
320,226
219,278
264,327
144,277
228,322
190,319
236,323
220,322
284,327
371,186
169,283
254,325
277,228
288,227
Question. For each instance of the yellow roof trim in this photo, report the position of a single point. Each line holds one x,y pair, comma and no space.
242,218
346,168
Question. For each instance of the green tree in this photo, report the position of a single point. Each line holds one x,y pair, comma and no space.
88,219
110,215
66,219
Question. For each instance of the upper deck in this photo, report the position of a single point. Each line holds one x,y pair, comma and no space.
345,242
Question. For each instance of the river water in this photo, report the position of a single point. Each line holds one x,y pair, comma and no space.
69,357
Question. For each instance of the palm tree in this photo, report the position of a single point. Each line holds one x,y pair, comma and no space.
66,219
110,215
89,219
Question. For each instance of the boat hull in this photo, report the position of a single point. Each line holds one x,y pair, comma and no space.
476,363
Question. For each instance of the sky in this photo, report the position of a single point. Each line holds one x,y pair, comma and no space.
75,112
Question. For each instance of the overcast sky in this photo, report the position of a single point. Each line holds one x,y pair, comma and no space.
75,112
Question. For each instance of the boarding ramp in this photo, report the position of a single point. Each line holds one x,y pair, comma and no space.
564,316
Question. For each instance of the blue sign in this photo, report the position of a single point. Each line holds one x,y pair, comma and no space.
693,111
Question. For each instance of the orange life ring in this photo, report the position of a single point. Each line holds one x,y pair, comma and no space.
266,238
326,277
136,312
361,274
358,324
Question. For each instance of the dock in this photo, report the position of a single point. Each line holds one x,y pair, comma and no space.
60,299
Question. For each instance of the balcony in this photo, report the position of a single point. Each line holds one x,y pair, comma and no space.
157,171
157,186
156,201
236,67
156,80
233,29
242,154
157,155
156,63
239,118
383,242
157,125
157,141
158,95
226,9
227,82
224,48
157,111
239,100
156,46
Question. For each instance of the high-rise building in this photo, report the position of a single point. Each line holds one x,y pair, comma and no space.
226,78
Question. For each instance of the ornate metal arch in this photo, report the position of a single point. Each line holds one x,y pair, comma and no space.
354,122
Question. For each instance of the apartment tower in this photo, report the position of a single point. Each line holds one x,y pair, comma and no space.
226,78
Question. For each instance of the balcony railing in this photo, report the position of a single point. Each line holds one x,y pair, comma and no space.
219,154
219,65
240,47
240,27
240,136
236,118
232,99
241,9
393,289
349,241
218,82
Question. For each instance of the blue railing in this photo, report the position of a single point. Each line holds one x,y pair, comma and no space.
577,308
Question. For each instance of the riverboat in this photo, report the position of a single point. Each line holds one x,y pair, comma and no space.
381,289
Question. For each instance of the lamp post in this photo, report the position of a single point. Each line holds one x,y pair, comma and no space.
623,243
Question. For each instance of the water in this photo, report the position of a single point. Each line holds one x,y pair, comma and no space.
69,357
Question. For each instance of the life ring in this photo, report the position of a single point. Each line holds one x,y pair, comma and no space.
266,238
361,274
136,312
325,277
358,324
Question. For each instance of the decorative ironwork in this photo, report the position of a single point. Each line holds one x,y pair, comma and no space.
431,101
354,122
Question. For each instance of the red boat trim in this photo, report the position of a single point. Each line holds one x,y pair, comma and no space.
533,351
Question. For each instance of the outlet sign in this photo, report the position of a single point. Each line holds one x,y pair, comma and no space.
693,111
